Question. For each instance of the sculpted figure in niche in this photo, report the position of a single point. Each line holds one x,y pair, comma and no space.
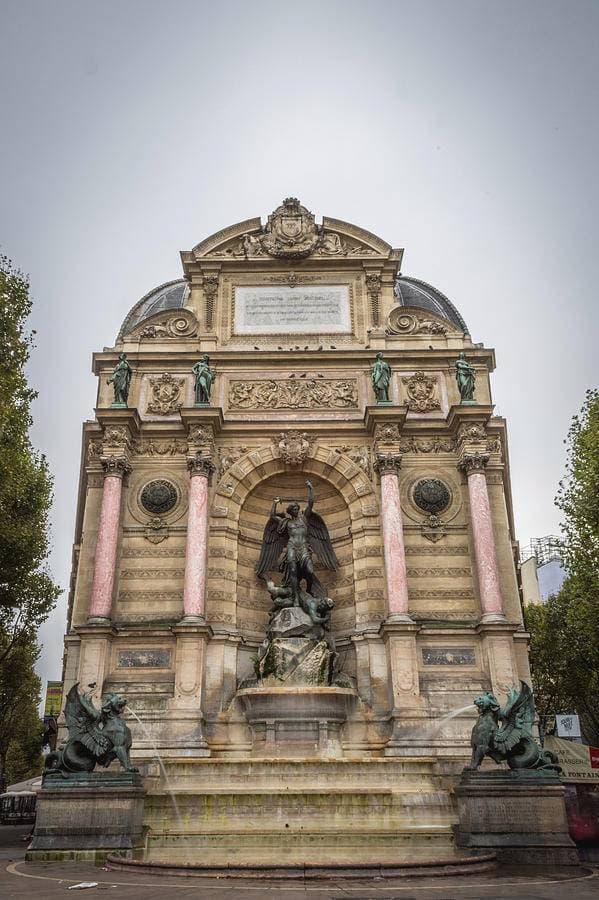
465,377
288,543
204,379
381,379
121,380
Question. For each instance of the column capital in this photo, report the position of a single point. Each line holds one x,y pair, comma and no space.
387,463
200,465
117,466
473,462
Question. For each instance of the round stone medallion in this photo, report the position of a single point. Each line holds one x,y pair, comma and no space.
159,496
432,495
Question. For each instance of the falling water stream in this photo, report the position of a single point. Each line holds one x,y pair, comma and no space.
438,725
162,767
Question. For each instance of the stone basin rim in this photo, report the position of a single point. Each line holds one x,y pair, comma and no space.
327,690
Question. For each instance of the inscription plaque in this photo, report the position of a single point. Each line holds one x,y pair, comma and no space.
448,656
144,659
320,309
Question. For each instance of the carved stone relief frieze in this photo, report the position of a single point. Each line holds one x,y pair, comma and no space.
410,444
166,394
422,392
294,394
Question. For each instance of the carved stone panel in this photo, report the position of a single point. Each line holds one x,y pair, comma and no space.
294,394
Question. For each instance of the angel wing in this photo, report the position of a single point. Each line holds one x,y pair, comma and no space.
320,541
82,724
273,544
517,718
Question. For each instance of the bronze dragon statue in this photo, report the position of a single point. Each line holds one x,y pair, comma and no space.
512,740
96,737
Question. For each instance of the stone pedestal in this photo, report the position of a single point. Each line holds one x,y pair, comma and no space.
88,815
519,815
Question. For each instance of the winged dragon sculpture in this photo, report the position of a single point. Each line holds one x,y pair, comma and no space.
96,737
512,740
288,544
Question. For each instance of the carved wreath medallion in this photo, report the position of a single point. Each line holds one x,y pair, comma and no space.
431,495
159,496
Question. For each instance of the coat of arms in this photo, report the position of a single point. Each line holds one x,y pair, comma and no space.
166,396
290,231
422,392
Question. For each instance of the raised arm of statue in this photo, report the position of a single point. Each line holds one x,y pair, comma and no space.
310,498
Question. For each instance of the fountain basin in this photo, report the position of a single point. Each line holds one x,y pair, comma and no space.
296,720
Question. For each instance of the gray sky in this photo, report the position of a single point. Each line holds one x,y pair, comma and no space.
464,131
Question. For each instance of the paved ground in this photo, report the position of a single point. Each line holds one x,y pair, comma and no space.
49,881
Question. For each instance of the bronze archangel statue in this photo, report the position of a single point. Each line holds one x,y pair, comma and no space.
288,543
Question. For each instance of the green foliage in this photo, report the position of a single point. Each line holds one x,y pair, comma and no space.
564,648
27,592
20,726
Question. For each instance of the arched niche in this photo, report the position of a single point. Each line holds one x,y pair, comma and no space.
253,601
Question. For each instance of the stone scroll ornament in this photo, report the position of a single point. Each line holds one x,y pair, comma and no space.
96,736
288,544
121,381
512,740
204,379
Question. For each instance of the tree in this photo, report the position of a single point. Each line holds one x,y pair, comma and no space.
564,648
20,725
27,592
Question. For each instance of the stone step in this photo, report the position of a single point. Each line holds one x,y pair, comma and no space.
350,810
374,845
324,774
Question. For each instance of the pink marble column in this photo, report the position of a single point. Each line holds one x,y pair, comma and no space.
194,587
393,543
108,536
484,539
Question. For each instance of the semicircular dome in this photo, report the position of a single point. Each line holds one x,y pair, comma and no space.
172,295
412,292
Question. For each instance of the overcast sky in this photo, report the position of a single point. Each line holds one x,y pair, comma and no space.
464,131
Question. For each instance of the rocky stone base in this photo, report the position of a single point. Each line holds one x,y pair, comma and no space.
518,814
88,816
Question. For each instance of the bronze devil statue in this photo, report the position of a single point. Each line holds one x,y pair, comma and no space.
512,740
96,737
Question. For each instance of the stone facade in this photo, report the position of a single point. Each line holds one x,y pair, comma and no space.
165,606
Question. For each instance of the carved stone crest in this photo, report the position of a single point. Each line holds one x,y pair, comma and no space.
422,392
166,394
156,530
293,447
290,231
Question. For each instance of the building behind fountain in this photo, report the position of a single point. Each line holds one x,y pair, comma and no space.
166,607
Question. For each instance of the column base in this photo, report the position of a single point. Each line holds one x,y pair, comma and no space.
399,619
192,620
493,619
99,620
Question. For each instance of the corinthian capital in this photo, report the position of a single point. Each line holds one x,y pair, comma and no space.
115,465
387,463
473,462
200,465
